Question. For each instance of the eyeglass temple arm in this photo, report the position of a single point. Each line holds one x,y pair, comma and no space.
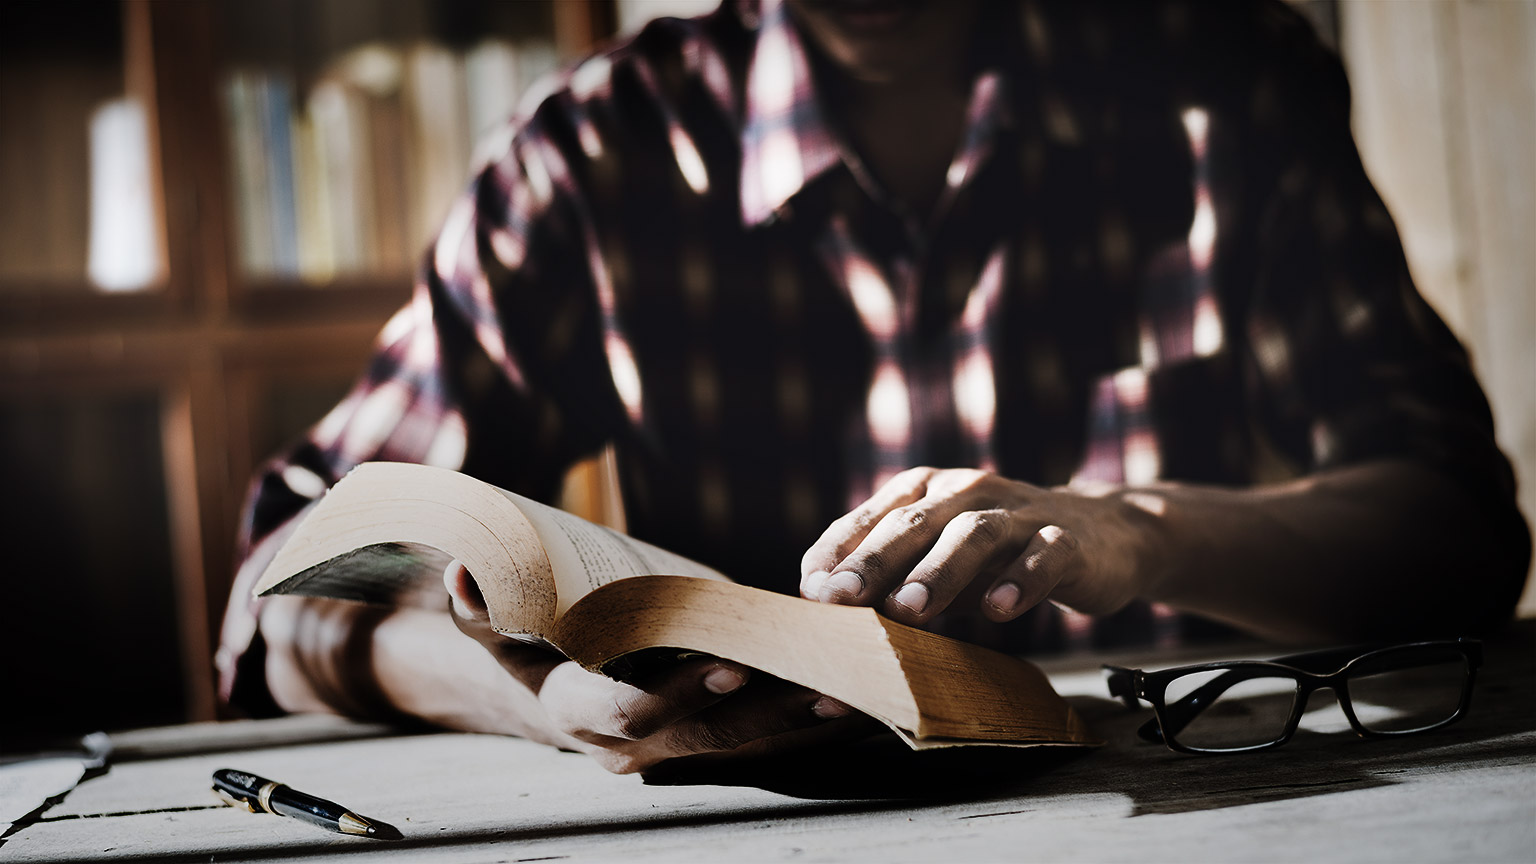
1122,683
1122,686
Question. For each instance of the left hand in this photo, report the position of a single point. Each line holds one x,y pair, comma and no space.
929,533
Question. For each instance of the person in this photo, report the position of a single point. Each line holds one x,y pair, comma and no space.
1115,269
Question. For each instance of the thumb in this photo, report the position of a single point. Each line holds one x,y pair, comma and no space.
464,593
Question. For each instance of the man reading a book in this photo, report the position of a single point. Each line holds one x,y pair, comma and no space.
1115,272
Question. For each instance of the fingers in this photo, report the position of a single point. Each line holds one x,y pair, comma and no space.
899,539
592,707
771,707
680,712
1052,555
844,535
968,545
464,593
887,554
530,664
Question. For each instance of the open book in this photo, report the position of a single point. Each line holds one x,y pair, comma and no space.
609,601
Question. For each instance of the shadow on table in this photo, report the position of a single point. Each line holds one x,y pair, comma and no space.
882,775
879,768
1156,779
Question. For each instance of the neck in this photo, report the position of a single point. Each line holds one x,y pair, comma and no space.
906,132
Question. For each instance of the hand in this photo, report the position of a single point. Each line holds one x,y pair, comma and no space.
929,534
699,707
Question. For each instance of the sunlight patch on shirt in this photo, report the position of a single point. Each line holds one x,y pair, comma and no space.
509,247
956,174
449,444
626,375
889,409
1207,335
1202,230
780,170
591,78
377,415
871,297
688,160
399,325
976,394
539,181
303,481
984,296
1139,454
451,240
591,144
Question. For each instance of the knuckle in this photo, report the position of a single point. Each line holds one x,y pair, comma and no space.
624,724
870,561
908,519
848,525
983,526
957,480
915,478
711,738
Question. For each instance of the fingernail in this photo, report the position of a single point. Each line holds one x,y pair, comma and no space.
813,583
828,708
1004,597
913,595
721,680
846,583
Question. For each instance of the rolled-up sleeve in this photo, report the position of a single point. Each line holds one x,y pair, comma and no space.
1349,363
494,368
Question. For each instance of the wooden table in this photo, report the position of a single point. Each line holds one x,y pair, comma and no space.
1466,793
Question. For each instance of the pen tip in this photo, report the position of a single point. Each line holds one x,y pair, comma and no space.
384,831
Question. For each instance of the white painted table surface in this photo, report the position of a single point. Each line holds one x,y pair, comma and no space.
1465,794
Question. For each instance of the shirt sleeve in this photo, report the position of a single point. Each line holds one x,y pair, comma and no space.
495,368
1348,361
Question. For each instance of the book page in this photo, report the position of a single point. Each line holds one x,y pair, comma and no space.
586,556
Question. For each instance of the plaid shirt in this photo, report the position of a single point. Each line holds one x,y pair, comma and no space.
1157,258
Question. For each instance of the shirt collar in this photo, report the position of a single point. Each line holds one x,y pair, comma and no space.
786,139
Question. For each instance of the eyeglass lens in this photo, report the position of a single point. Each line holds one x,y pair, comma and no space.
1391,700
1391,693
1239,714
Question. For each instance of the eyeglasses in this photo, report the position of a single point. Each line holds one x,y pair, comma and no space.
1247,705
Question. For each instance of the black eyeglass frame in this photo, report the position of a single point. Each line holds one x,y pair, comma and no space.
1309,670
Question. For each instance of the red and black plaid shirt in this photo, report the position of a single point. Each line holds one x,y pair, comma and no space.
1157,258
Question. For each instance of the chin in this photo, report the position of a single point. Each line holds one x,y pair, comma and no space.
874,40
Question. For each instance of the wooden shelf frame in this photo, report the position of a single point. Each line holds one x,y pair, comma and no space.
209,342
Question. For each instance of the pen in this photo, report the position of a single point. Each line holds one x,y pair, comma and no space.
258,794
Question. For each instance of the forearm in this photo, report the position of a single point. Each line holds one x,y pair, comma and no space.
1383,550
380,663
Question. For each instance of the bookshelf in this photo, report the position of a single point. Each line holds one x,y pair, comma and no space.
135,404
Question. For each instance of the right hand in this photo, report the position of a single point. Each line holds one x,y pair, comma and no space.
702,706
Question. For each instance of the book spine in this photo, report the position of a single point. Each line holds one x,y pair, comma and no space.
277,139
248,161
438,117
317,264
491,85
386,127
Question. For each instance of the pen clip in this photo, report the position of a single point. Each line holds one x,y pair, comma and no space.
231,800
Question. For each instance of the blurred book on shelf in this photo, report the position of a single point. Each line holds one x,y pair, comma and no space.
352,174
79,214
